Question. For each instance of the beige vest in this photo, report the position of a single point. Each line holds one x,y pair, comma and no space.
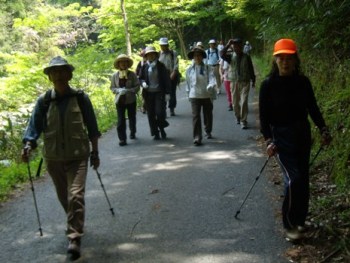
65,139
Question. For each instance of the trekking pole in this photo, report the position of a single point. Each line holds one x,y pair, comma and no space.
256,179
318,152
36,206
39,167
103,188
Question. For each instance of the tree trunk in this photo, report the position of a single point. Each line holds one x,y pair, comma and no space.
126,26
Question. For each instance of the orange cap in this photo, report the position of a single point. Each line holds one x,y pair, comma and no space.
285,46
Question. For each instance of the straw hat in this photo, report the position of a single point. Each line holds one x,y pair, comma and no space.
123,57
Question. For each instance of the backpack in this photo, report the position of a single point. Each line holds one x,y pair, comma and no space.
48,99
178,75
216,52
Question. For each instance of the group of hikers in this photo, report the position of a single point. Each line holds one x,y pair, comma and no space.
66,118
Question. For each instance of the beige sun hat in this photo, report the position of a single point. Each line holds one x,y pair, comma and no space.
150,49
123,57
200,44
58,62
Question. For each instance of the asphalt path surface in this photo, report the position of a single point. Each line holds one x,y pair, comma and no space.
173,202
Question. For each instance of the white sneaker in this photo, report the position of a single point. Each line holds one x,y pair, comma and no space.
294,234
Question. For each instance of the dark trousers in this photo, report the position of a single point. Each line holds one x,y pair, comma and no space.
197,106
121,125
156,113
173,101
293,144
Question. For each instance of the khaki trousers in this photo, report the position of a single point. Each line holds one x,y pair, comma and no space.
240,92
69,178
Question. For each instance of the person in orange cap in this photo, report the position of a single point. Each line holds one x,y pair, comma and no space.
285,102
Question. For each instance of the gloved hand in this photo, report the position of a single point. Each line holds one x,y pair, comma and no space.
326,137
271,148
167,97
123,91
144,85
25,154
94,160
210,87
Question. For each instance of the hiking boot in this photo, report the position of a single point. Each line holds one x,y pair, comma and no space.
303,229
208,135
244,126
230,108
74,248
132,136
197,142
122,143
294,234
172,112
156,136
162,133
238,121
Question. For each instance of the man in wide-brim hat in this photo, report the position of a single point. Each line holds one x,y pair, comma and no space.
77,139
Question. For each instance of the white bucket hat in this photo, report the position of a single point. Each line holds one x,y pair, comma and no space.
163,41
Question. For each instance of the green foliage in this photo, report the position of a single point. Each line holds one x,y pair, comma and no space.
11,176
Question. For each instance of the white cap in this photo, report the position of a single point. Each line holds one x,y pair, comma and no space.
212,41
163,41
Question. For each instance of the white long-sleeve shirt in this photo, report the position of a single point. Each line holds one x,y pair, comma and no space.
200,81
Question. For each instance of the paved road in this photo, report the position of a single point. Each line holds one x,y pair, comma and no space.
174,202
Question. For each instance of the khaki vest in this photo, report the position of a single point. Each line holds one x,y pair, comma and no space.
65,139
245,74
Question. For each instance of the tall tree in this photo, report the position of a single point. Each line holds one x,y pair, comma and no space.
126,27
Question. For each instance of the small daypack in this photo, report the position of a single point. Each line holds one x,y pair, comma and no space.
216,51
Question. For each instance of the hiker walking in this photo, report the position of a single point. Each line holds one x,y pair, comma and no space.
286,99
200,88
241,76
213,61
125,85
169,58
225,69
138,72
67,120
155,82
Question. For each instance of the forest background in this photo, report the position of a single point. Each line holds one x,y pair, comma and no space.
90,34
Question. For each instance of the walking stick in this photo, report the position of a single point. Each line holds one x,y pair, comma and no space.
36,206
103,188
251,188
318,152
39,167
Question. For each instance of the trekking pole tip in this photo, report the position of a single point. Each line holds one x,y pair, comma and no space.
237,213
112,211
